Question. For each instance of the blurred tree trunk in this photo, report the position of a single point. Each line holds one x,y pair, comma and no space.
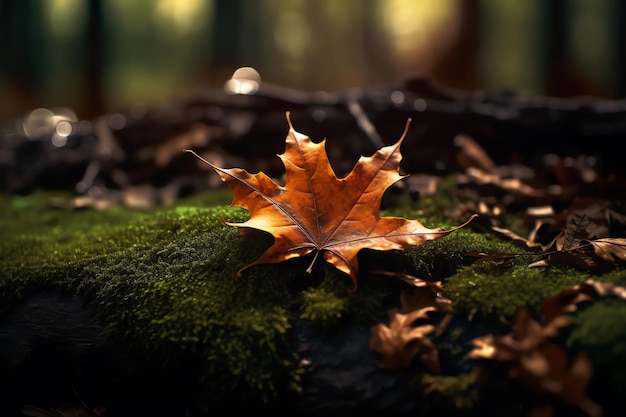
559,79
564,76
620,33
91,95
234,37
21,55
457,68
226,27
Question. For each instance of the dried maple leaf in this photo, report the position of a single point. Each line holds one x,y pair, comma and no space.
400,342
514,185
593,239
610,248
536,359
317,212
539,362
566,301
428,295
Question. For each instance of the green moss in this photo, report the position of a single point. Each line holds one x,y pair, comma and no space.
451,393
433,260
55,237
235,327
322,304
38,243
437,259
494,291
164,281
599,328
333,299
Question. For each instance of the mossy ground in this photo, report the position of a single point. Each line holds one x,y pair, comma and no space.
164,281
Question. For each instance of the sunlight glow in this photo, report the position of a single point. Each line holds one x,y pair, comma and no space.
65,17
292,33
420,30
181,17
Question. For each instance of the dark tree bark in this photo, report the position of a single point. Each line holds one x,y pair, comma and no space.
94,53
21,55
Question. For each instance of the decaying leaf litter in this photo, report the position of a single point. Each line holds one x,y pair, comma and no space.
564,225
317,212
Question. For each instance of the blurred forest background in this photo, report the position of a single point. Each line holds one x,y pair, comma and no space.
95,56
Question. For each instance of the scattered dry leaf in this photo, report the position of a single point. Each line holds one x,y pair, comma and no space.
610,249
539,362
472,154
567,300
400,342
426,295
536,359
593,239
514,185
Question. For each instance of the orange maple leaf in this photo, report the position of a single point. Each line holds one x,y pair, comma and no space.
317,212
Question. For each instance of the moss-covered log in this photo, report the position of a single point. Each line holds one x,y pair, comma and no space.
142,311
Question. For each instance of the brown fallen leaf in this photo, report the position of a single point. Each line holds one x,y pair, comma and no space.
472,154
609,249
514,237
566,301
426,295
593,239
423,294
514,185
400,342
537,361
317,212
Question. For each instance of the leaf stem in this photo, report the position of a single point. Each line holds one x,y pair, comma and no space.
309,270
